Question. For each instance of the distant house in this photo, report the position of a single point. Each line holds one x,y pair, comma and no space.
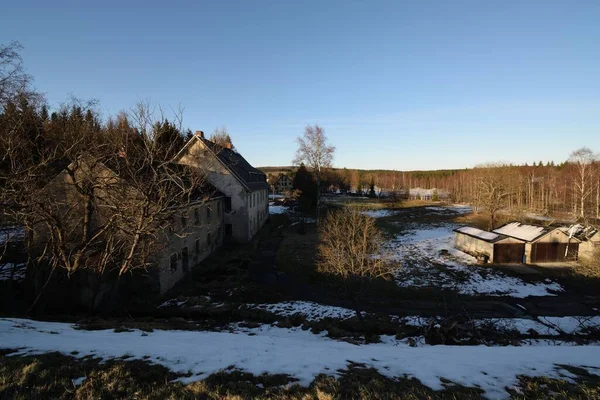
489,246
245,188
428,194
282,184
543,244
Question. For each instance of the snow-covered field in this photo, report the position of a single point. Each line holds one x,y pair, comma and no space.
301,354
429,258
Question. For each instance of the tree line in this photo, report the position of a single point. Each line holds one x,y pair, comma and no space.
570,187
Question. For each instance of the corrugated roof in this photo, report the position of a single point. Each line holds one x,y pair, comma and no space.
478,233
521,231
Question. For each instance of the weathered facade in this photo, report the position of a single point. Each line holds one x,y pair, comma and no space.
245,188
200,232
488,246
589,237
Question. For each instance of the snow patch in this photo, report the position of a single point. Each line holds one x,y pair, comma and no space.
12,272
429,258
309,310
379,213
302,354
277,209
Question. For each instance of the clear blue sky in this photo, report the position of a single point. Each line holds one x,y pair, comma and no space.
396,85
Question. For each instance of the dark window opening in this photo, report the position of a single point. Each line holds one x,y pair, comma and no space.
227,204
184,260
228,230
173,262
197,246
197,216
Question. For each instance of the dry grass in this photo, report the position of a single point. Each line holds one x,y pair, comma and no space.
50,376
589,266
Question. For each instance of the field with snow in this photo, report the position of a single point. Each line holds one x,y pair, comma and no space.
309,332
428,258
301,354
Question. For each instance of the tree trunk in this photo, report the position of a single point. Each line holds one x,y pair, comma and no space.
41,292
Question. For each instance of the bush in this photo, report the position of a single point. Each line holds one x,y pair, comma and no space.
590,266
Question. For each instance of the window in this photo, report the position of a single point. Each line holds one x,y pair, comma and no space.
197,216
197,246
219,233
183,221
227,204
173,262
218,208
184,260
228,230
208,240
207,214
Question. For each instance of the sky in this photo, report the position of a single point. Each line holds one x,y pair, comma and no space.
405,85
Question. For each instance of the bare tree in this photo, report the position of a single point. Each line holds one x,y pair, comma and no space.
314,152
583,161
221,137
351,248
492,185
115,196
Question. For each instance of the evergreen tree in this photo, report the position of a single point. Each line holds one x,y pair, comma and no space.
372,187
168,139
305,183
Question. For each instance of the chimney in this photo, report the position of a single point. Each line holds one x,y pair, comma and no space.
200,134
228,145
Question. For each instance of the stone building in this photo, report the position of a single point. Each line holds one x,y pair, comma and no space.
245,188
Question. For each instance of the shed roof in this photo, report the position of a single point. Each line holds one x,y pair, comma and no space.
581,232
529,233
480,234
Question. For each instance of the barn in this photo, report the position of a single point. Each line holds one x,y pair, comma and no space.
542,244
490,246
589,237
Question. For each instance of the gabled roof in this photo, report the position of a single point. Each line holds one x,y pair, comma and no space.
280,177
486,236
250,177
528,233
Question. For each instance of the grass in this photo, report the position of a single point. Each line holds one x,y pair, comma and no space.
51,375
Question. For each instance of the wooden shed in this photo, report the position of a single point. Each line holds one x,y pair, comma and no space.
543,245
589,237
491,246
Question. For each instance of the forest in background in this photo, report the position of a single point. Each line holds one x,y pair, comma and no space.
570,188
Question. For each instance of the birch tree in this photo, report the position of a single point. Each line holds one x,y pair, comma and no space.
316,154
583,161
